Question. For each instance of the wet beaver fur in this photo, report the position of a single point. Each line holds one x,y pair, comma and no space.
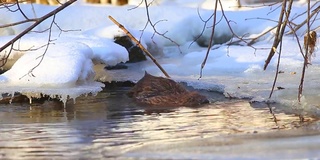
159,91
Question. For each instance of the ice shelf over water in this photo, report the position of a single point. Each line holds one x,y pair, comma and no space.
66,68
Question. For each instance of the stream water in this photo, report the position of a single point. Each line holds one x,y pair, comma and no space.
111,126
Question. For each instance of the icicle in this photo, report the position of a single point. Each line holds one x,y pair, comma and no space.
12,96
73,97
63,94
64,103
30,100
64,99
74,100
29,97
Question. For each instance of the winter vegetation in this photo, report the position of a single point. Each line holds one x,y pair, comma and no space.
259,50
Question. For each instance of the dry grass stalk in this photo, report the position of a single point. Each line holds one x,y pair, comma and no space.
310,44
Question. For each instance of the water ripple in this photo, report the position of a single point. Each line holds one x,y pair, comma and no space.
111,126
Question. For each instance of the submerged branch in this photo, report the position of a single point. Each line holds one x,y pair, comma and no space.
140,45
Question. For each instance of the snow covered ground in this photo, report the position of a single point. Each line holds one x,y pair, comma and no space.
66,68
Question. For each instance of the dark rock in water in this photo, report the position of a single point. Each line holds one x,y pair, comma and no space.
159,91
135,53
204,40
20,98
117,66
16,98
2,71
118,84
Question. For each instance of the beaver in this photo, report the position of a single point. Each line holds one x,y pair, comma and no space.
159,91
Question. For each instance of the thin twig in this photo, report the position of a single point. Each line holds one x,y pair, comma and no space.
20,22
45,50
35,24
153,25
286,13
140,45
203,27
211,38
277,70
278,35
5,57
253,40
305,57
20,10
315,11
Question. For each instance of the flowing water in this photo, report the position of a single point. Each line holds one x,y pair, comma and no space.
111,126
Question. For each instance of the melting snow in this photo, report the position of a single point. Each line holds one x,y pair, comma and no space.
67,66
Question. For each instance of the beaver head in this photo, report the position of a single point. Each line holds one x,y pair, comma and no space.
159,91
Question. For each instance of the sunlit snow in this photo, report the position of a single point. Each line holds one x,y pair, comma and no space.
66,68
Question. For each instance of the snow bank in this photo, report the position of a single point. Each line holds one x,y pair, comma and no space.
58,73
64,68
233,70
63,64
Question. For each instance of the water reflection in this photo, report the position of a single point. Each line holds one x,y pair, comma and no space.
110,125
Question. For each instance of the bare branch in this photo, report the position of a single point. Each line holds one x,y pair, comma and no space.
211,38
280,30
20,10
305,62
204,26
153,25
5,57
11,42
253,40
18,23
139,44
277,70
45,51
314,12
